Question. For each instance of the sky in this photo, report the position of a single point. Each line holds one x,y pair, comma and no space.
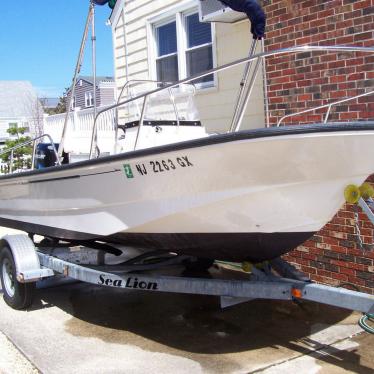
40,40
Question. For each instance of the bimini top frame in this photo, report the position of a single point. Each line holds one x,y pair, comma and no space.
256,57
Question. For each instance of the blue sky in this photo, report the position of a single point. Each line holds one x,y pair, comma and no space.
40,39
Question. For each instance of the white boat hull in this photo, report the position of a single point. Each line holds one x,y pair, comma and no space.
238,196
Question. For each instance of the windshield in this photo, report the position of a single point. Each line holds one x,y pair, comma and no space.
173,104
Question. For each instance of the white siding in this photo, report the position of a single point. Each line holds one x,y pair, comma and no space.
232,41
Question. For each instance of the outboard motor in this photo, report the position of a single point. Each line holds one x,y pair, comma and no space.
45,156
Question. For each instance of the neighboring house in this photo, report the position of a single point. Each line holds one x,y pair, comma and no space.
163,40
19,107
84,92
81,117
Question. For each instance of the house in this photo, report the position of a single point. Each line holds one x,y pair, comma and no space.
164,40
81,117
19,107
84,92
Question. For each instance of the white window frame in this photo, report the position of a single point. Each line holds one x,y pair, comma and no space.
179,14
13,125
154,42
73,102
26,125
88,99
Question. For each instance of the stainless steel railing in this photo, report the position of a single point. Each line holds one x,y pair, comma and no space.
33,142
329,106
257,57
133,82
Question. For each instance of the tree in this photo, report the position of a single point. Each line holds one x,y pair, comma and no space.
37,117
34,113
61,106
21,156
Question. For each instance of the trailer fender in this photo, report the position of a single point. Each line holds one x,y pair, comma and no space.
26,260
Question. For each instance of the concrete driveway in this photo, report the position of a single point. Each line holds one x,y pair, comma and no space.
81,328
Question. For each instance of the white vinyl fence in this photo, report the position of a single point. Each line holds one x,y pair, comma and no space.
79,130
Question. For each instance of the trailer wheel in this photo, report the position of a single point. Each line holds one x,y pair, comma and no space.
17,295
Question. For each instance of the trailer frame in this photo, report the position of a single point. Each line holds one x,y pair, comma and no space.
273,280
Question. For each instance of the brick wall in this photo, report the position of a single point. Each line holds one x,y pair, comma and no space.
305,80
334,256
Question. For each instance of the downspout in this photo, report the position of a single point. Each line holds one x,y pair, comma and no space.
125,43
113,23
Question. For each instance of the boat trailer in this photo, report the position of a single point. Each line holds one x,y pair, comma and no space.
23,263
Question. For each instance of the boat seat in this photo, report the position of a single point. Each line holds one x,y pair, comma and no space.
132,124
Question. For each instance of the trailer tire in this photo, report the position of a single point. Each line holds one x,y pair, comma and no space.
17,295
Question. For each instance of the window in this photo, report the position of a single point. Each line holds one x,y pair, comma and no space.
13,125
26,126
183,47
12,128
88,99
73,102
167,52
199,54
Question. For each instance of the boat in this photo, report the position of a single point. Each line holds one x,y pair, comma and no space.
169,186
251,195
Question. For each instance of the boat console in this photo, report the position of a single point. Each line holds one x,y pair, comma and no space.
168,116
45,156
